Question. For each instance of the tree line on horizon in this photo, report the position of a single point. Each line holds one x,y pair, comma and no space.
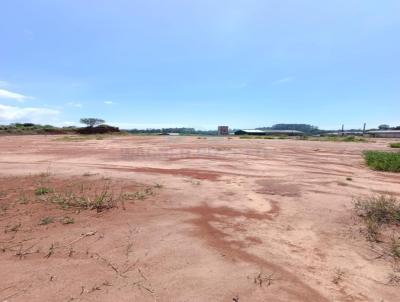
94,123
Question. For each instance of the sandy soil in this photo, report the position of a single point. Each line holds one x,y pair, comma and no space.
220,220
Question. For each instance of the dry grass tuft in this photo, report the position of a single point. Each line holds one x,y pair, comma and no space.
46,220
381,217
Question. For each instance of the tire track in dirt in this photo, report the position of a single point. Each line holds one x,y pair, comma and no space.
206,216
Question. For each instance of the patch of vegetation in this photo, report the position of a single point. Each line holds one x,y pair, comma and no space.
395,145
14,228
376,211
262,137
87,197
42,191
395,248
87,174
46,220
383,161
91,121
349,178
383,209
45,174
80,138
97,201
394,279
262,279
140,195
338,277
335,138
98,194
30,128
67,220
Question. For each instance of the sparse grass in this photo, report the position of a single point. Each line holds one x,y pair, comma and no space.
372,228
96,201
140,195
13,228
42,191
22,198
377,210
381,217
339,139
45,174
262,137
395,248
67,220
383,161
395,145
383,209
80,138
338,276
262,279
89,196
87,174
46,220
394,279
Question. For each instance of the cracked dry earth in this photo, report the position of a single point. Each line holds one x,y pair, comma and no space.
213,219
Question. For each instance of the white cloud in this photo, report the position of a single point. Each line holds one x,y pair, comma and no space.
26,114
283,81
6,94
108,102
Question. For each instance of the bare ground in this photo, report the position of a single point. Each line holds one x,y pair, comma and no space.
212,219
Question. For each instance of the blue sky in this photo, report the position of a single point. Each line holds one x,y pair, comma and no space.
201,63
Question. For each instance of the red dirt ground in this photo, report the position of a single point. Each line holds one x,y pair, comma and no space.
215,219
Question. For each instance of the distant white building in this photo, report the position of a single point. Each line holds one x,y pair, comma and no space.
170,133
384,133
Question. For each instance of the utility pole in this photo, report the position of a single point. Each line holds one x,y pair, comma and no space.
342,129
365,124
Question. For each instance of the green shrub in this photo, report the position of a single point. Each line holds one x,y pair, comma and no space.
383,161
42,191
395,145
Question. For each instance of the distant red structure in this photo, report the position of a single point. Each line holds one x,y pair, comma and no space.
223,130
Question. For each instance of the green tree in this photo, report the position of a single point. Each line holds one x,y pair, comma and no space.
91,121
384,127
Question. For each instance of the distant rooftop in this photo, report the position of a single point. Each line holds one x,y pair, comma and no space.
253,130
383,131
271,131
